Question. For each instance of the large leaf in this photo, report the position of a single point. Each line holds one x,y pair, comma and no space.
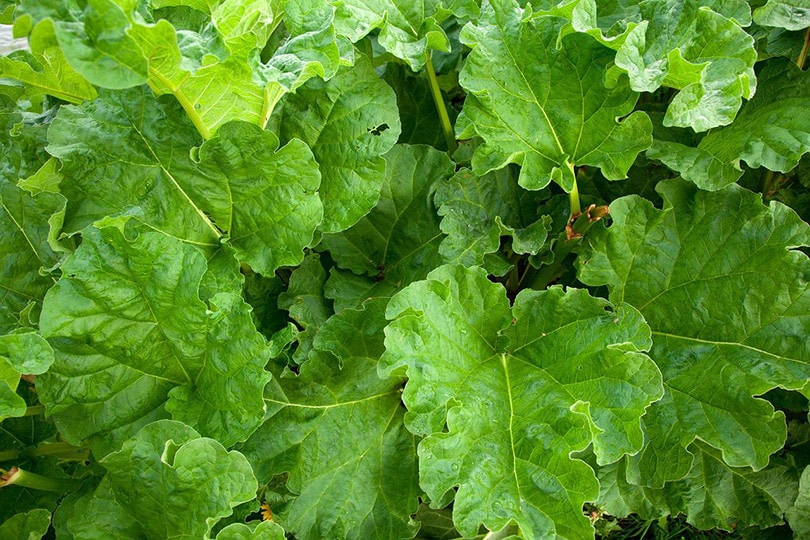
243,186
337,428
716,279
712,495
520,388
771,131
349,122
134,341
542,107
397,242
165,482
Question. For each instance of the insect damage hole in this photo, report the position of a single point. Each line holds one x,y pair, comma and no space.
376,131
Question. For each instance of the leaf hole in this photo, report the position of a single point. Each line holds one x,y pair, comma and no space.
377,131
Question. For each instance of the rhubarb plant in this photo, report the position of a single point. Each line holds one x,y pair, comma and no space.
404,269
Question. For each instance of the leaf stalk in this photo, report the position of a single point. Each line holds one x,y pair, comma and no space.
18,477
436,92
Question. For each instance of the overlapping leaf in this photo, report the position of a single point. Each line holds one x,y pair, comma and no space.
134,342
788,14
542,107
694,46
771,131
728,303
799,514
30,526
165,482
520,389
21,353
398,241
713,495
408,28
349,122
127,150
337,428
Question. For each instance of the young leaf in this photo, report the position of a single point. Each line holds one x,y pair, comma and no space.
349,122
520,389
182,485
338,430
542,107
133,340
771,131
255,530
727,299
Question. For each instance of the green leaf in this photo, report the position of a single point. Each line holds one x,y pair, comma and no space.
338,430
727,300
788,14
29,526
166,481
21,353
770,131
712,495
134,341
478,210
799,514
45,70
398,241
544,108
408,28
263,530
520,389
242,185
349,122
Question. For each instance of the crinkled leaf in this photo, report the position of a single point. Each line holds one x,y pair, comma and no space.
165,482
408,28
133,340
788,14
520,389
771,131
243,185
478,210
398,241
712,495
255,530
339,431
716,279
29,526
349,122
21,353
44,70
542,107
799,514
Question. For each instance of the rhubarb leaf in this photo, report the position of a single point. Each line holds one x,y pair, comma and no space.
548,110
520,388
727,269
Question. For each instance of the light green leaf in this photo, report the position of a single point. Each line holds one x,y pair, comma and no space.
29,526
165,482
349,122
262,530
21,353
544,108
478,210
788,14
133,340
338,431
408,28
242,185
398,241
45,70
715,276
712,495
771,131
799,514
520,389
